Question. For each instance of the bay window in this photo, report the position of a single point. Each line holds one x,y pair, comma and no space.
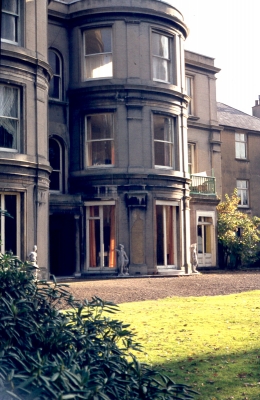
161,57
164,132
98,53
99,140
9,118
10,21
101,246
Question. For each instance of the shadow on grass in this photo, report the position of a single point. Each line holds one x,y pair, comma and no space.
218,377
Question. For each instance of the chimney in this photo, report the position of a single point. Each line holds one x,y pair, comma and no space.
256,108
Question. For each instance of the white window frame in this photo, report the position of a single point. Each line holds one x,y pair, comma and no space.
17,119
58,76
189,80
171,143
174,205
168,59
87,141
100,204
241,190
191,157
241,140
17,18
60,171
86,56
3,221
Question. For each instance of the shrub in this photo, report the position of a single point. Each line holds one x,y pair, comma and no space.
46,353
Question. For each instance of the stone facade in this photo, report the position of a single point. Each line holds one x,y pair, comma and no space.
24,165
124,101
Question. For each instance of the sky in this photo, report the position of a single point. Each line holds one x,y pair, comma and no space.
229,32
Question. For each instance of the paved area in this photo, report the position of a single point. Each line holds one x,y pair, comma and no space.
122,290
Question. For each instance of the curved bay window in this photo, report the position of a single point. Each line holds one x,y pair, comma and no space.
98,53
9,117
55,158
55,86
99,133
101,247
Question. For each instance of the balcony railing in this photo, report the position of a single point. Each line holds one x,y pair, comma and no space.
202,184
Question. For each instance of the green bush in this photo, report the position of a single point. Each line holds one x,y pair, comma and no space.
46,353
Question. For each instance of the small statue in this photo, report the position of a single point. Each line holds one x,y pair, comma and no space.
32,258
123,260
194,258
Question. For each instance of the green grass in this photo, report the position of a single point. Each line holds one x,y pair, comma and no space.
211,343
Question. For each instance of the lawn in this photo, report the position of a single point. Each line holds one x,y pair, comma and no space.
211,343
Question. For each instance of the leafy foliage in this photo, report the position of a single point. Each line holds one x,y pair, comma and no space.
78,354
238,233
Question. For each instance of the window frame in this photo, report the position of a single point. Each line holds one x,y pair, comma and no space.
169,60
241,190
191,158
17,119
61,170
17,25
172,143
3,221
100,205
190,93
59,76
87,142
173,209
238,142
84,32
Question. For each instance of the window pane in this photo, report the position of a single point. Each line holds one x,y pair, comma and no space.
54,87
160,69
160,247
99,66
94,243
55,180
10,5
100,153
8,133
54,154
10,224
54,62
98,41
160,45
163,154
9,27
100,126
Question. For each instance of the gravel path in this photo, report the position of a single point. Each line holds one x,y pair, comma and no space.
123,290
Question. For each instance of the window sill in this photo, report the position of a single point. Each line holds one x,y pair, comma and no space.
193,118
57,101
242,159
8,150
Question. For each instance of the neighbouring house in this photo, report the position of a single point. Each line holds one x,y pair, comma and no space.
240,137
204,155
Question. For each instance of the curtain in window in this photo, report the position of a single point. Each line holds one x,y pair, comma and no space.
8,117
92,239
112,252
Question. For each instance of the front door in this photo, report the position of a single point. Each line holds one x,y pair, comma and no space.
205,241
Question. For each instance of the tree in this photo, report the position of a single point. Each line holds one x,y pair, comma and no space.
83,353
238,233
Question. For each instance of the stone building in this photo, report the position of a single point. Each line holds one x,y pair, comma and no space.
105,157
240,138
204,155
118,137
24,165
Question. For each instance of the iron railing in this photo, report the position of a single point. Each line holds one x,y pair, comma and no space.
202,184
